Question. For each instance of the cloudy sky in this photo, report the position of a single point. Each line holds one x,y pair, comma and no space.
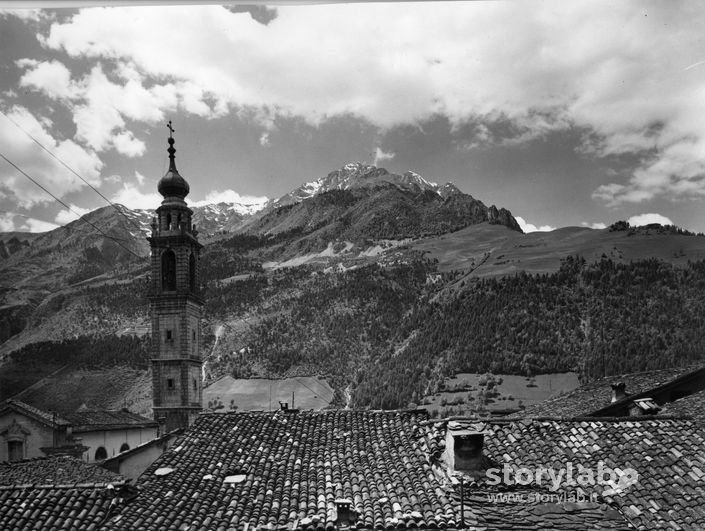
566,113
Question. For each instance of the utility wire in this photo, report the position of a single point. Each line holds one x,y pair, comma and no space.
315,393
116,240
71,170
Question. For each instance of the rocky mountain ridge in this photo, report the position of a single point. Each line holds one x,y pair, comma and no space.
360,175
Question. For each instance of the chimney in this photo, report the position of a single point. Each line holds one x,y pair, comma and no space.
345,515
618,392
467,450
284,406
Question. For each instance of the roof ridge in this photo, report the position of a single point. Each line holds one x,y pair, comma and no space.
519,420
98,485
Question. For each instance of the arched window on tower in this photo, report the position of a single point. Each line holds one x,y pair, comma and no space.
101,453
192,272
168,222
168,270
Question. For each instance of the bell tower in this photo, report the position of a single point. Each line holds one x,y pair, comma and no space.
175,304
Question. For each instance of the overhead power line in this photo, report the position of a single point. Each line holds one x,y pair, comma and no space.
116,240
315,393
71,170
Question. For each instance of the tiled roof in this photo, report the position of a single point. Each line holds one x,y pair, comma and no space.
287,469
55,470
596,395
44,416
54,507
667,455
101,419
693,405
55,493
532,510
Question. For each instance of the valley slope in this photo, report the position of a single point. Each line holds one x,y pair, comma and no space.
382,284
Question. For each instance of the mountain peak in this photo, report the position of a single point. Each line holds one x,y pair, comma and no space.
363,175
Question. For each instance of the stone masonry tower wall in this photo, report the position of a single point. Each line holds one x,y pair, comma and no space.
175,305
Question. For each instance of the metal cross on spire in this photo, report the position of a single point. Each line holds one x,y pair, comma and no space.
171,150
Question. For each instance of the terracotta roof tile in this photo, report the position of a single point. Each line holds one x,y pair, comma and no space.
93,419
286,470
667,455
56,493
693,405
598,394
55,470
44,416
54,507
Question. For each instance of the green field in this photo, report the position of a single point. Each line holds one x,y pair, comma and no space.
463,393
262,394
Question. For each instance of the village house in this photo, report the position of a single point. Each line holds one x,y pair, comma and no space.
108,433
93,435
27,432
131,463
632,394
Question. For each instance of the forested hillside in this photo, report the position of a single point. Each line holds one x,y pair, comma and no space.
600,319
38,360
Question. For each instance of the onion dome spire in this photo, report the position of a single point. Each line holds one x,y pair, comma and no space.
172,184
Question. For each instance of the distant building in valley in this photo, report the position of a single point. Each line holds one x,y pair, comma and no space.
175,305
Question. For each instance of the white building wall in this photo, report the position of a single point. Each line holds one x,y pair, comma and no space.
112,440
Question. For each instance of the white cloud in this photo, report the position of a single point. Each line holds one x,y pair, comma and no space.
230,196
52,77
140,178
382,155
597,226
126,144
626,71
530,227
22,151
131,197
100,106
13,222
66,216
25,14
37,225
646,219
264,139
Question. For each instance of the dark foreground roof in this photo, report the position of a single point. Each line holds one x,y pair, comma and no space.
597,395
667,455
54,507
693,406
287,469
56,470
56,493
